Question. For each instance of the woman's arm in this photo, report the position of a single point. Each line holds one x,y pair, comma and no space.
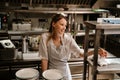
43,51
44,64
101,52
75,48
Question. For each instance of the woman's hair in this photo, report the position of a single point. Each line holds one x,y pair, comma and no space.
56,18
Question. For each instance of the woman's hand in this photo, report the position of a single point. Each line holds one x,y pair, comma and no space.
102,52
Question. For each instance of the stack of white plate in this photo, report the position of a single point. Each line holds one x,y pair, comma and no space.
52,74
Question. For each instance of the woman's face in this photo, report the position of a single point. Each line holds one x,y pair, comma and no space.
59,27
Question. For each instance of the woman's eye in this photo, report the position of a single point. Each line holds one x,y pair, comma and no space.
63,25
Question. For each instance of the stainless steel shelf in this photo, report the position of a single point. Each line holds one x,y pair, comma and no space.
26,32
93,25
58,11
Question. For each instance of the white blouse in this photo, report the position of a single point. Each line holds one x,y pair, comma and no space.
58,56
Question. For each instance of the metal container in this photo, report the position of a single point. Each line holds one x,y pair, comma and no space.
34,43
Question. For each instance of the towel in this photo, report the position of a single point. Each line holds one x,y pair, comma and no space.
101,60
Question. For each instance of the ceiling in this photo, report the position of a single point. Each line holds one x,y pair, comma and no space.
52,3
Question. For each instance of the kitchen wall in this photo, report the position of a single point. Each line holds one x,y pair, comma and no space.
37,20
40,20
35,17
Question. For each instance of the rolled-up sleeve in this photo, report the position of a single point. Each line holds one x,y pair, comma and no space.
43,48
74,47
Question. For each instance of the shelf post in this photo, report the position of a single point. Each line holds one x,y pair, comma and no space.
85,52
95,58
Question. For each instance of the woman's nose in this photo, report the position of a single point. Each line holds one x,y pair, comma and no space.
64,27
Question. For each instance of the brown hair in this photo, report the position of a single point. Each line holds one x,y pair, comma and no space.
56,18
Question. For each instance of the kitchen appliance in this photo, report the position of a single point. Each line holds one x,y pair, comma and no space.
34,43
109,20
80,41
7,50
7,44
27,74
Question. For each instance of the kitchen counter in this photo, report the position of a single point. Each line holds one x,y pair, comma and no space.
9,67
106,72
28,58
25,61
113,66
14,62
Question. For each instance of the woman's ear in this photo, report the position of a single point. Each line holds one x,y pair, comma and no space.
53,24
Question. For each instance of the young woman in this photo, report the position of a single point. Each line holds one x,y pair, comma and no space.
56,47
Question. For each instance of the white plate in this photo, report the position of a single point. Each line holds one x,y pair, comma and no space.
52,74
27,73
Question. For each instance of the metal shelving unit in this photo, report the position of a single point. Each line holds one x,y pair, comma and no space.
97,27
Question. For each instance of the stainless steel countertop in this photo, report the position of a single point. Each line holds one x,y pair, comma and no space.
95,25
112,67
